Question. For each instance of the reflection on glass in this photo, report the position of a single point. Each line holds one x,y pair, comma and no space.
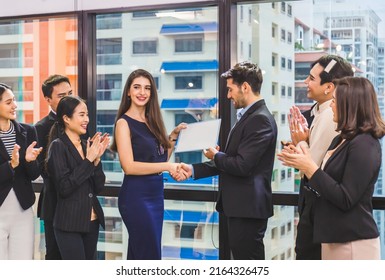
179,48
301,32
30,51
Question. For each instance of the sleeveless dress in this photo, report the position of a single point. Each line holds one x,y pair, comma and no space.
140,200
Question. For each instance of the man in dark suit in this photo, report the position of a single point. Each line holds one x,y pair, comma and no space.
54,88
245,165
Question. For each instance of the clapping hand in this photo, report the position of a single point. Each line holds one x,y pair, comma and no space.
298,125
15,156
97,146
31,153
299,158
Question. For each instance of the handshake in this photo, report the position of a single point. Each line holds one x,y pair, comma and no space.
180,171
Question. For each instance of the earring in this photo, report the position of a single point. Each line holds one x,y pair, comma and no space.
326,93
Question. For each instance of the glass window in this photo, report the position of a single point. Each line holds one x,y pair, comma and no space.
355,33
144,47
109,51
188,82
184,68
109,21
188,45
26,62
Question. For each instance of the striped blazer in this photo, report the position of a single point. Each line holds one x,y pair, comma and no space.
77,182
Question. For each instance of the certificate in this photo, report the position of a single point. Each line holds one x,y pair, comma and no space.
198,136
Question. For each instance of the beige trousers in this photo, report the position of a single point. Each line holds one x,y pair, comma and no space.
365,249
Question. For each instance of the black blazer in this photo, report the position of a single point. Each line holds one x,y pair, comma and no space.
343,210
77,182
47,199
22,176
245,166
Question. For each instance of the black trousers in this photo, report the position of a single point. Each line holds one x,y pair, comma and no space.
78,245
305,248
52,251
246,238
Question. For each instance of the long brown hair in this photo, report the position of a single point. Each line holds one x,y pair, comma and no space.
153,114
357,108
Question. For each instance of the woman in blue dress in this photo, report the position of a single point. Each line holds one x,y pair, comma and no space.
144,148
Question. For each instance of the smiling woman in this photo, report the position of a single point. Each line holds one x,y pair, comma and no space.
18,167
75,172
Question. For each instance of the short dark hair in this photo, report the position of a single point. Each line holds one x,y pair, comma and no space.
50,82
341,68
357,108
3,88
245,72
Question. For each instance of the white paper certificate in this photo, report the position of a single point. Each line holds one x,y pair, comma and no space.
198,136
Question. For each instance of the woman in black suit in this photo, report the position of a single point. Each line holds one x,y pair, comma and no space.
344,184
18,167
75,171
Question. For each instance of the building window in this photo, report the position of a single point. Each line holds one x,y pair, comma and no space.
289,227
289,91
283,231
273,30
283,91
289,37
188,82
289,64
273,89
109,51
283,35
288,253
289,11
144,47
241,14
143,14
274,233
109,87
283,62
283,175
188,45
109,21
289,172
283,7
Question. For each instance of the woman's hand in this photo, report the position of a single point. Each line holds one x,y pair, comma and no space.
175,132
93,148
15,157
32,153
299,158
178,172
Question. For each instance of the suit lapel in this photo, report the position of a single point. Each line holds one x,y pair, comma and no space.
73,151
3,151
251,110
337,151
